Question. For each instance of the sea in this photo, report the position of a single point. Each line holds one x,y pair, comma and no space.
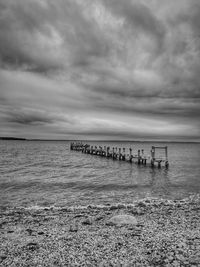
47,174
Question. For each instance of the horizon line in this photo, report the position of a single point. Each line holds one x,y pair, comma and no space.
96,140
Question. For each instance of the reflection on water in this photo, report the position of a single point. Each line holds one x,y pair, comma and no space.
160,183
48,173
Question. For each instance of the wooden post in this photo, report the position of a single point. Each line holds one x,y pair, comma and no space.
154,153
119,153
124,154
105,151
113,152
130,155
152,156
108,152
139,156
86,147
166,153
99,150
166,158
142,156
83,149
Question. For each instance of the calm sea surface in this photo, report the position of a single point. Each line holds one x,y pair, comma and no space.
46,173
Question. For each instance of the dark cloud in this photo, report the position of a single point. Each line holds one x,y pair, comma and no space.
29,119
139,17
182,109
29,116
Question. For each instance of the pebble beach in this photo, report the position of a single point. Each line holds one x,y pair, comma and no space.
147,232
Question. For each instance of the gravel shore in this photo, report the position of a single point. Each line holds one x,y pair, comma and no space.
162,233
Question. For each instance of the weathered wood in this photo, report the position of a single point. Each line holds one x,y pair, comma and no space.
124,154
113,152
159,160
130,155
121,155
139,159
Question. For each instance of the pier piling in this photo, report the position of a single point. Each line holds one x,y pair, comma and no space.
130,155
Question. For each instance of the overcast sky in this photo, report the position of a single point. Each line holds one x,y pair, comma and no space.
100,69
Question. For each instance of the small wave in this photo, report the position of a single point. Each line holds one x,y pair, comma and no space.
148,201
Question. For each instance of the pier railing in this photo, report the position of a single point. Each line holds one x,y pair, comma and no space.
139,157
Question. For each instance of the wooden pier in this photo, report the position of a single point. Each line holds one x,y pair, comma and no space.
155,157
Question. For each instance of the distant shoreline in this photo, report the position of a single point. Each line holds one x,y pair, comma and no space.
12,138
115,141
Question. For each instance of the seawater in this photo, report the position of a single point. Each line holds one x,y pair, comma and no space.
47,173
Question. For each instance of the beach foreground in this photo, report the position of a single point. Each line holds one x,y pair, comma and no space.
164,233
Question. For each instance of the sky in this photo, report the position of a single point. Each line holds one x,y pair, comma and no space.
100,69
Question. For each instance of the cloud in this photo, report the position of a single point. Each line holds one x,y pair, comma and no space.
100,68
27,40
139,17
42,36
29,119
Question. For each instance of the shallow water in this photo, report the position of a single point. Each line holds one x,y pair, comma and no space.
45,173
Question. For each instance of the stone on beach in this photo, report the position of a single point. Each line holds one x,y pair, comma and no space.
88,221
122,219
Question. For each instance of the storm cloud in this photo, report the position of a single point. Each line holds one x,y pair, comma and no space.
100,69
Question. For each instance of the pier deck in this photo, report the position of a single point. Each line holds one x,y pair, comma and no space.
156,155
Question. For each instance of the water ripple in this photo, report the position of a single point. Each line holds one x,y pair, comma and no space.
47,172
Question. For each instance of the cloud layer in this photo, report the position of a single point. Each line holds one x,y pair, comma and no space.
100,69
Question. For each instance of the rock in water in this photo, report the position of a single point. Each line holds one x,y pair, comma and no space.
122,220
